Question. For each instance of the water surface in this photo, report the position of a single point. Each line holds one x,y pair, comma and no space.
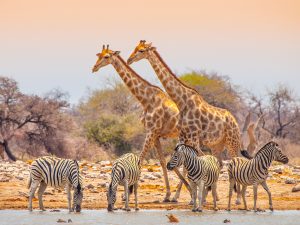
151,217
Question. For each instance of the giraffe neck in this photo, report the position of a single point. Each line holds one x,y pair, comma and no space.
177,90
136,84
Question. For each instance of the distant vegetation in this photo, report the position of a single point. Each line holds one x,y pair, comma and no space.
107,123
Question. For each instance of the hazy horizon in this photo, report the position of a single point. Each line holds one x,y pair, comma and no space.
53,44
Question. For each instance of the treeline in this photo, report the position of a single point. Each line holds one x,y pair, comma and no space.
107,123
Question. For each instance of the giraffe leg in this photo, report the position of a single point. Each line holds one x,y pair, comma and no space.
148,144
164,169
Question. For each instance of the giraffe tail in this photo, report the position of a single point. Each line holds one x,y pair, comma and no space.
246,154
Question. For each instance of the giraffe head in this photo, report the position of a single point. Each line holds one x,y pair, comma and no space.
141,51
105,57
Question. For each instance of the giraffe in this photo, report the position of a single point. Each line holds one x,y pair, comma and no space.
199,122
160,113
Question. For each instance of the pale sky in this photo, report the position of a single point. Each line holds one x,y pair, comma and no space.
47,44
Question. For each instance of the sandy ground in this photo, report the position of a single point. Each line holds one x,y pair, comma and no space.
14,192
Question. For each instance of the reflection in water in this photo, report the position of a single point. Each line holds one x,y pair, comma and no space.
155,217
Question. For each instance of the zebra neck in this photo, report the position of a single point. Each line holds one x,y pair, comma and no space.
264,160
189,162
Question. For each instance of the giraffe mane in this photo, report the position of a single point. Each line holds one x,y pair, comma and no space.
132,71
170,71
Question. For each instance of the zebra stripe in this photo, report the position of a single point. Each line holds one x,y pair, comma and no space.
56,172
202,171
254,171
126,172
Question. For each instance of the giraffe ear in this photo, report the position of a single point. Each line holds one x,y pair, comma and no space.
116,52
98,54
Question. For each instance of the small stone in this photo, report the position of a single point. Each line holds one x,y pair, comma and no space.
158,175
4,179
290,181
278,170
90,186
19,178
296,188
226,221
61,221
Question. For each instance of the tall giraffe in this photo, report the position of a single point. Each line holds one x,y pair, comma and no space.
199,122
160,113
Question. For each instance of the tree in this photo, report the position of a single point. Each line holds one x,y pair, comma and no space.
215,89
30,118
280,112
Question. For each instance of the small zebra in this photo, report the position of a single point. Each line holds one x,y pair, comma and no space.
254,172
202,172
126,171
56,172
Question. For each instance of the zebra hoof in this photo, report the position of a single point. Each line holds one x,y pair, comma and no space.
127,209
174,200
272,209
216,209
199,210
137,209
194,210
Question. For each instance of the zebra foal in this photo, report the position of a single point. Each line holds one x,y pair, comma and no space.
202,172
254,172
56,172
126,171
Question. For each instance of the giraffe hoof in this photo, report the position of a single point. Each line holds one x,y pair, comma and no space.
166,200
174,200
216,209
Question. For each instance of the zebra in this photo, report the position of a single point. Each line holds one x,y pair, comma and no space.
126,171
254,172
56,172
202,172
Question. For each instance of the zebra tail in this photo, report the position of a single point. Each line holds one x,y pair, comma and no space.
29,182
246,154
130,189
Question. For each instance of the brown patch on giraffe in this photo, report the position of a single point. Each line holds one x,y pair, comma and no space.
190,115
203,119
210,116
129,84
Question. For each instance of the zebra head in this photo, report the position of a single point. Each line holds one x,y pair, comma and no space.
277,153
76,181
177,158
111,198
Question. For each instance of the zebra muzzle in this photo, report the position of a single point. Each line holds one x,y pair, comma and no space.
169,167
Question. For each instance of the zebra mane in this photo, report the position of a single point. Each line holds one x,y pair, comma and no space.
187,146
264,147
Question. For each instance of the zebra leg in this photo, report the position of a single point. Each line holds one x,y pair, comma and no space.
33,187
215,195
265,186
126,196
135,187
231,185
238,198
164,169
200,193
205,192
255,186
41,191
194,195
68,187
244,188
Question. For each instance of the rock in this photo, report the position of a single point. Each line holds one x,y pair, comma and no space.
226,221
158,175
4,179
90,186
61,221
105,163
290,181
278,170
142,180
19,178
149,177
102,185
55,210
296,188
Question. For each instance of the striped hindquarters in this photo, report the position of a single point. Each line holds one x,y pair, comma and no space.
241,170
211,169
55,171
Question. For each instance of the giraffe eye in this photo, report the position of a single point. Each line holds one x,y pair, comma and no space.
142,50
